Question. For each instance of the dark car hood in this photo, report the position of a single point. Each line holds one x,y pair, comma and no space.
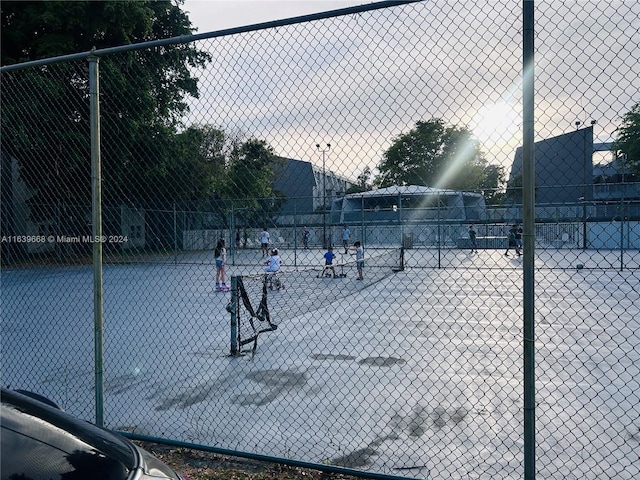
37,437
27,429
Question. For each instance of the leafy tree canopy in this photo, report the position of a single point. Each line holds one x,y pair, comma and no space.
248,180
437,155
493,179
628,139
33,30
363,182
46,124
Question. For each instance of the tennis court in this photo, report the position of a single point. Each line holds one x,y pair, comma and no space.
418,374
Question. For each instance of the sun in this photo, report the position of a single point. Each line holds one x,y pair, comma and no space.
496,124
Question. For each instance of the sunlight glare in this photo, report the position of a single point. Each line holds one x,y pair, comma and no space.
495,124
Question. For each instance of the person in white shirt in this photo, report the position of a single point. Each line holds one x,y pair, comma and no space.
264,241
358,250
346,234
274,262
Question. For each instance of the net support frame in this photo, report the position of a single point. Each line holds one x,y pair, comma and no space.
233,309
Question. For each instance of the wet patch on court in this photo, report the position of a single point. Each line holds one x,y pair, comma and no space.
191,393
331,356
355,459
369,361
381,361
122,383
360,457
420,419
195,395
275,383
415,423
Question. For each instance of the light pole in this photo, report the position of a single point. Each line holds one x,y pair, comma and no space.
584,188
324,194
232,243
586,156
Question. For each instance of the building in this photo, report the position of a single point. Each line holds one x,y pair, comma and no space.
408,204
613,181
568,185
304,185
563,169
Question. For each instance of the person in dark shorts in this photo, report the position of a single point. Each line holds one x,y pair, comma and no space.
512,240
472,238
359,259
264,241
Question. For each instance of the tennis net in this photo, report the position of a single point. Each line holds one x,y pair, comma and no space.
259,302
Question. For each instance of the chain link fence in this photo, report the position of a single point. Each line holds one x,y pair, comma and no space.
415,372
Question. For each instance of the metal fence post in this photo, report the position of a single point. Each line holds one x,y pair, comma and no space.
96,189
528,204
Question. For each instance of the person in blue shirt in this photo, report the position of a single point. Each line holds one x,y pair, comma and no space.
328,263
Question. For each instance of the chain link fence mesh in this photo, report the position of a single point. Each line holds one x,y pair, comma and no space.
418,374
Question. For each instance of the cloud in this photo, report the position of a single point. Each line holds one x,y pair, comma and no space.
360,80
213,15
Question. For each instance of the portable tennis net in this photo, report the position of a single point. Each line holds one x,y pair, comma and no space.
259,302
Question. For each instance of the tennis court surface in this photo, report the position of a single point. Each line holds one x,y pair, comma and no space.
417,374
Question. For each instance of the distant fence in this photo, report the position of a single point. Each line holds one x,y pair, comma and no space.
132,230
600,236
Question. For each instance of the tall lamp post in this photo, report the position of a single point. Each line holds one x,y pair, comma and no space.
584,191
586,157
232,243
324,195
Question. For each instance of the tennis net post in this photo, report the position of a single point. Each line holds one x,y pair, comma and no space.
232,308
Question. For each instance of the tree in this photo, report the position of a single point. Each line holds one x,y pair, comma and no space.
437,155
219,172
142,95
494,178
513,193
363,182
628,139
248,180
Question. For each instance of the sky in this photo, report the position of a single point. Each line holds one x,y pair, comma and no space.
212,15
458,61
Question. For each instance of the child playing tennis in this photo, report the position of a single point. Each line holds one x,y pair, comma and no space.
220,254
271,269
274,262
359,252
328,263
